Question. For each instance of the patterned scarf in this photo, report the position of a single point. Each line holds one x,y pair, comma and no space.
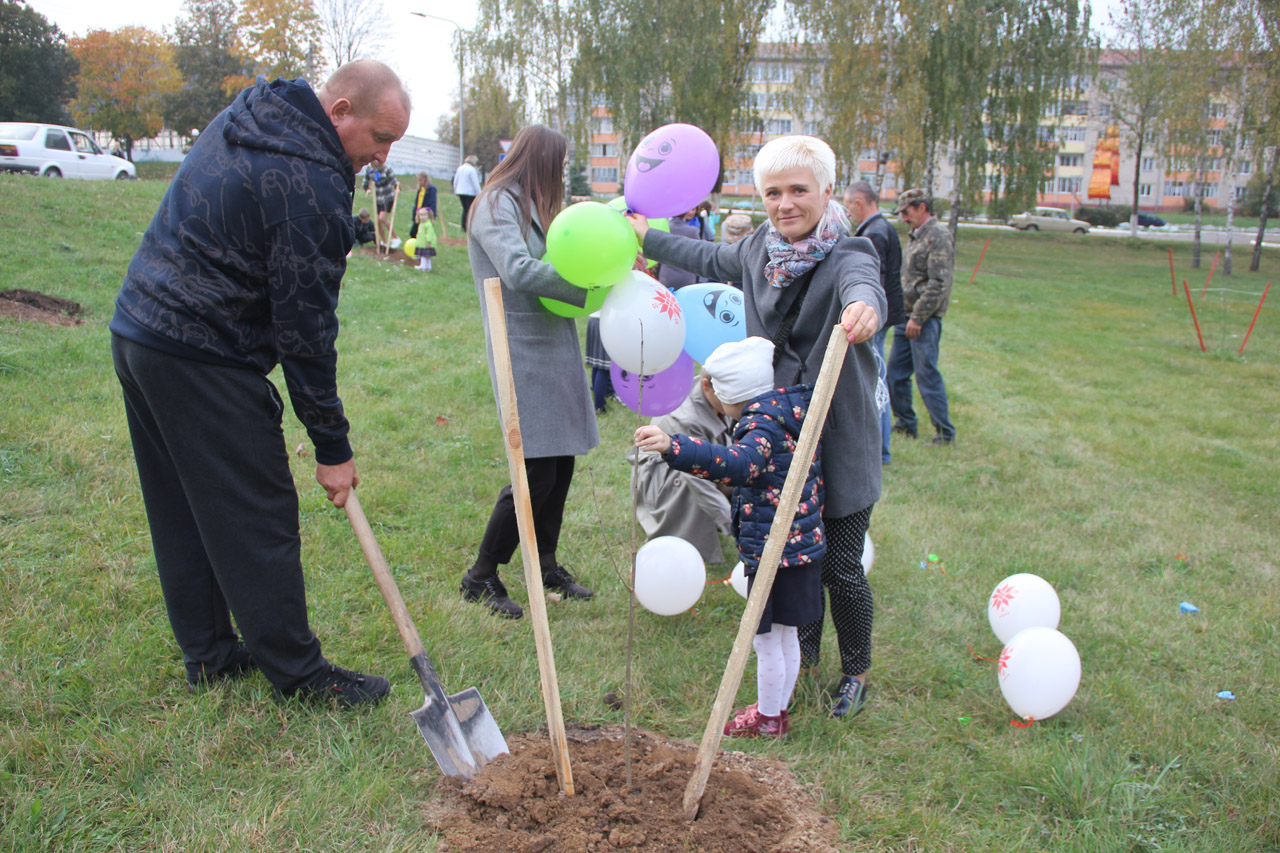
789,261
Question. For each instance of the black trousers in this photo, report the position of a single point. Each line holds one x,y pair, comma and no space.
465,200
549,481
845,583
222,509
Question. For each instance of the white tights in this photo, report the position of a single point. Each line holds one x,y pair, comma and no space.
777,667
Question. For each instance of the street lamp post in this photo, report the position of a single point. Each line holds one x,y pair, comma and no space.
462,92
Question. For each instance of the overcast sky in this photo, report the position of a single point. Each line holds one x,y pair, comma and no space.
419,49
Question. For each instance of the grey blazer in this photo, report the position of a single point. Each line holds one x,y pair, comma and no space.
850,273
552,396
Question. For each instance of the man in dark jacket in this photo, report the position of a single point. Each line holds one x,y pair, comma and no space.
863,204
238,271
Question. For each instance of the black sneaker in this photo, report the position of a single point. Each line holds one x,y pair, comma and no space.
240,664
342,687
557,578
851,697
491,592
941,440
902,429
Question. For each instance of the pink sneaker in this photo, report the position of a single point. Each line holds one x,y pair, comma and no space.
749,722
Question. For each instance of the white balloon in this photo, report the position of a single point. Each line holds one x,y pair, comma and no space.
1022,601
1039,673
670,575
868,554
738,580
642,325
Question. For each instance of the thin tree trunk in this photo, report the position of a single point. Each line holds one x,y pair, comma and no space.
1262,214
882,127
1137,175
1195,189
953,222
1229,182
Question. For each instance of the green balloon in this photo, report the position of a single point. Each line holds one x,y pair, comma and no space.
595,299
619,204
590,245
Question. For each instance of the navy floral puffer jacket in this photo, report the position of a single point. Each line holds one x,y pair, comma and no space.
757,463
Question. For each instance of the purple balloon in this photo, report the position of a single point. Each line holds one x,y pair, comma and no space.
663,392
671,171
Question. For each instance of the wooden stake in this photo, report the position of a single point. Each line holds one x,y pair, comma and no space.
1173,282
391,220
1255,318
497,320
1212,267
832,361
1193,315
978,265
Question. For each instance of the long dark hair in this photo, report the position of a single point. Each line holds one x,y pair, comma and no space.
535,165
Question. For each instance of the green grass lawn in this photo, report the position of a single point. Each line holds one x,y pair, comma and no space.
1097,447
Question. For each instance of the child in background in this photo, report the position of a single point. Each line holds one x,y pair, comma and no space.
741,386
426,236
364,227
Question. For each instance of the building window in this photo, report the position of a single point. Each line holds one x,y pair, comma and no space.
1210,164
604,149
812,128
746,178
1075,108
1240,191
1070,160
778,126
1046,134
602,124
1215,137
604,174
1243,167
1151,137
1207,189
1176,189
1069,185
1217,110
1144,190
1148,164
1071,134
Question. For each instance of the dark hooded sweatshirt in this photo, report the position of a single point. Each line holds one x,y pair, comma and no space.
242,262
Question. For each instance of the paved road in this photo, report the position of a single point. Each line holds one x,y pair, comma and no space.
1241,240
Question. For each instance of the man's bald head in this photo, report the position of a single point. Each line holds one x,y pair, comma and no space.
369,109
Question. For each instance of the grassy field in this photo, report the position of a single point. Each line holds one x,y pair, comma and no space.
1097,447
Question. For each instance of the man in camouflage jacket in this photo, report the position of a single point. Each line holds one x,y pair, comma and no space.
927,268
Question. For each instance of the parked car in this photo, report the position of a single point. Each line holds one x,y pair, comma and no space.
1150,220
1048,219
57,152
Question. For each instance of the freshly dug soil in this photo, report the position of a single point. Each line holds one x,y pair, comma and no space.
751,804
33,307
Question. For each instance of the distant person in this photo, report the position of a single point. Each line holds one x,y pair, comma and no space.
466,185
769,420
735,227
240,271
364,228
927,271
863,205
383,184
425,197
708,219
424,239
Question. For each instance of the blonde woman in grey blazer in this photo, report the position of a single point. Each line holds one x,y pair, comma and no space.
506,239
803,256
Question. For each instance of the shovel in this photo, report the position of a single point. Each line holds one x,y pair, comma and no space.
460,731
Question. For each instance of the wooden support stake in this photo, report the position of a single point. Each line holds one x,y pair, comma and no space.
832,361
1173,282
497,320
978,265
1255,318
1212,267
1193,315
391,219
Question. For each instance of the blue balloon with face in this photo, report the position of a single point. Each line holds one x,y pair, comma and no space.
715,314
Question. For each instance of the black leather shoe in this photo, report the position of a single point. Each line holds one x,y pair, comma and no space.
557,578
902,429
341,687
941,441
240,664
490,592
851,697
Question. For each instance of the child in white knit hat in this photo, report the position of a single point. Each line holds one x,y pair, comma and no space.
738,382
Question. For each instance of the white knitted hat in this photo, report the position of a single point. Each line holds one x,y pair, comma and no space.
741,370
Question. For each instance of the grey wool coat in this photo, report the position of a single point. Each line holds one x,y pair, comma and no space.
850,273
552,395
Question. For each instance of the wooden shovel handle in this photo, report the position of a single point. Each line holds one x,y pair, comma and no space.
497,318
832,361
382,575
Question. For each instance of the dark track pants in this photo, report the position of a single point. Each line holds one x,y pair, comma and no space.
222,509
549,481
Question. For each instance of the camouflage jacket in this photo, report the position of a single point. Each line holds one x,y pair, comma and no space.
927,266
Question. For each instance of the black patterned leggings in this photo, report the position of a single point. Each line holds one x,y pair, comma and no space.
852,609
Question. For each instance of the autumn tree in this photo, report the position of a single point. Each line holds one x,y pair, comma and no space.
210,59
492,115
125,76
283,37
352,29
37,71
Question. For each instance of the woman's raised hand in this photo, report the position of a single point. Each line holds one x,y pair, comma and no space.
860,320
640,224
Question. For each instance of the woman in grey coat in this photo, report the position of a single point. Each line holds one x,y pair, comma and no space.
506,238
802,274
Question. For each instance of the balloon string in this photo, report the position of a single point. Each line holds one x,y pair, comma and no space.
1028,724
977,656
722,580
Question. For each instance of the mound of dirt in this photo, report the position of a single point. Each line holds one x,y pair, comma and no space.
751,804
33,307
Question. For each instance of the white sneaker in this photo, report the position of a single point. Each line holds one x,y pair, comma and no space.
395,242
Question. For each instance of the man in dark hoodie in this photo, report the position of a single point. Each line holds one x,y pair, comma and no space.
238,271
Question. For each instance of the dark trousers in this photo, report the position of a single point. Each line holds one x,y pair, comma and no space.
549,480
601,387
222,509
466,208
918,357
845,584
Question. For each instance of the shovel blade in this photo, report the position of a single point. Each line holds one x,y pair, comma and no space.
463,736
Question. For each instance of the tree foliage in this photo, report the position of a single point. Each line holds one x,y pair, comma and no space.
492,115
125,76
210,59
282,36
352,29
37,71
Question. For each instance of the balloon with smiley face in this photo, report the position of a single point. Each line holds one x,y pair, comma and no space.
671,171
715,314
663,392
